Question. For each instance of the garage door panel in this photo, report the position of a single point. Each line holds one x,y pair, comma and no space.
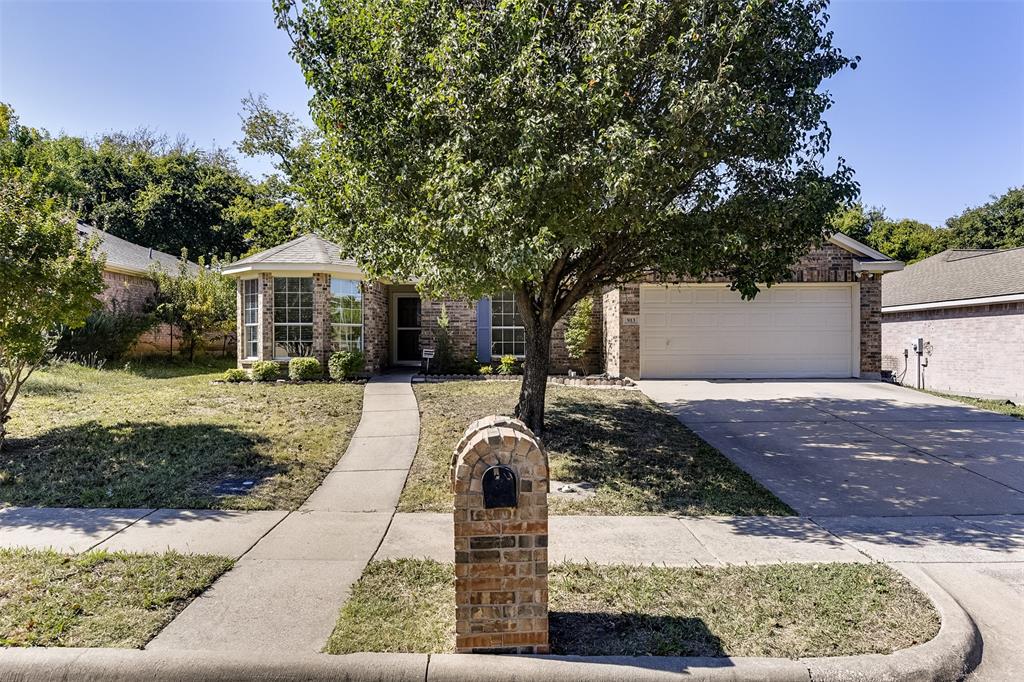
710,332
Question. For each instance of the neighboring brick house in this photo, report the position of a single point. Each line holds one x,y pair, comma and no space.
303,298
129,288
966,308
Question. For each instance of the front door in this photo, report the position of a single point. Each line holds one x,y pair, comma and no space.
407,329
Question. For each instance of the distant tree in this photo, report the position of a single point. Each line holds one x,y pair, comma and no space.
998,224
49,279
138,186
552,149
267,214
906,240
195,300
857,222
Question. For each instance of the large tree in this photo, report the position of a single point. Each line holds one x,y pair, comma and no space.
49,279
554,148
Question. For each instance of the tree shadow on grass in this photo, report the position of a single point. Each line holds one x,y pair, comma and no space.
634,450
130,464
630,634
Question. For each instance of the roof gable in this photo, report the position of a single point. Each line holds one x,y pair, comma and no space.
309,252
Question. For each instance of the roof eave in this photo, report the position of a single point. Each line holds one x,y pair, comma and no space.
955,303
242,269
878,265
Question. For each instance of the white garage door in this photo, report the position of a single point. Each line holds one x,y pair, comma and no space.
788,331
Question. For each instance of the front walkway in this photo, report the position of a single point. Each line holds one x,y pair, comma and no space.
284,593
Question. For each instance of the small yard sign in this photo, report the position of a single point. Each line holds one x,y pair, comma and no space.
428,353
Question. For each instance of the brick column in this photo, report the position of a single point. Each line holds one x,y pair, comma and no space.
321,318
501,558
870,325
375,325
266,288
621,342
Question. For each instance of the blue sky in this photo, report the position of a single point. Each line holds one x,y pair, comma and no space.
932,121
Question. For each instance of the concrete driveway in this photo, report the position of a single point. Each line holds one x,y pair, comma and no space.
857,448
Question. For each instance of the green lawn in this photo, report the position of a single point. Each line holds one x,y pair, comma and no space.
787,610
642,460
160,435
96,599
1001,406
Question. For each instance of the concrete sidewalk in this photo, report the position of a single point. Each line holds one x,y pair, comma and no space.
284,593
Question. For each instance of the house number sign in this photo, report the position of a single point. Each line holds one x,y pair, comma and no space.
630,320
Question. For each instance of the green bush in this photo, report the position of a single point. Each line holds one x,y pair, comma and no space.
235,375
577,332
444,356
508,365
107,336
486,369
265,370
304,369
345,364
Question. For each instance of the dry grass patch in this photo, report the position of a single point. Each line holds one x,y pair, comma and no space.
788,610
96,599
158,435
642,460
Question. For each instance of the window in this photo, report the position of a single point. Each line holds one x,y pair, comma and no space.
346,314
507,334
251,318
293,317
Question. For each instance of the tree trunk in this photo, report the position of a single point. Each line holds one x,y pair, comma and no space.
530,408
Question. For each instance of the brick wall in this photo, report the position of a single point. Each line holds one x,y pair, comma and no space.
461,325
828,263
129,293
977,350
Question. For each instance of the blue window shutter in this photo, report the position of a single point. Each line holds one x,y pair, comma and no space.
483,330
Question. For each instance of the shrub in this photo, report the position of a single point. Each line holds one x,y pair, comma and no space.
577,332
304,369
486,369
235,375
508,365
345,364
444,356
107,336
265,370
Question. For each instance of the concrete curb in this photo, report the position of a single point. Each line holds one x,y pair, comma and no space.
949,656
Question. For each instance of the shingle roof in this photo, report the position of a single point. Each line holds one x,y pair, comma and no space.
125,255
955,275
308,253
308,249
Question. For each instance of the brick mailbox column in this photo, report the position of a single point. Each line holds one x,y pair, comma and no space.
500,478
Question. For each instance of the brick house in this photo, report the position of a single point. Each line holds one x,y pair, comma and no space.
129,288
966,308
303,298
